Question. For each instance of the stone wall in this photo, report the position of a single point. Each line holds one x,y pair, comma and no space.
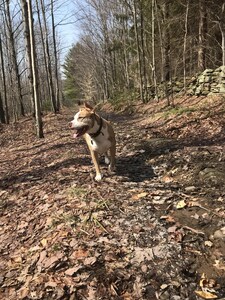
210,81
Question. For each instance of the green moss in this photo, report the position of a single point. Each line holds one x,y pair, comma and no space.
178,111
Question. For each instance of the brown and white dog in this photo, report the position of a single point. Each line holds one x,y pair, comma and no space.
99,136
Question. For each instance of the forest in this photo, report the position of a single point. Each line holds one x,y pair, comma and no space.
154,228
131,50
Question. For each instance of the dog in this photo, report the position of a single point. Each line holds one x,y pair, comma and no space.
98,134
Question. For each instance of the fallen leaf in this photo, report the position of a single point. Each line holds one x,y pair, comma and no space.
181,204
219,265
164,286
205,295
208,244
167,218
139,196
89,261
167,179
23,293
44,242
72,271
172,229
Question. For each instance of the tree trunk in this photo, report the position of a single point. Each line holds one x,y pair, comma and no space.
202,36
48,57
143,59
28,48
14,59
5,99
39,126
185,43
56,58
125,54
138,50
2,113
153,52
43,46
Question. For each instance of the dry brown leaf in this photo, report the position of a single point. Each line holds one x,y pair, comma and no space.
206,295
181,204
219,265
168,219
73,270
167,179
23,293
44,242
139,196
80,253
89,261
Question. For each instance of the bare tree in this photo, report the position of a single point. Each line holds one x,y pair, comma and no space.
39,126
12,50
153,51
138,48
56,72
185,43
28,46
202,35
5,99
48,59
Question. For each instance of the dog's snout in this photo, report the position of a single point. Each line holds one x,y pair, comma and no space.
70,124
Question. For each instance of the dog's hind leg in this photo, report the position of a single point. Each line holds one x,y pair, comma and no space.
107,158
112,166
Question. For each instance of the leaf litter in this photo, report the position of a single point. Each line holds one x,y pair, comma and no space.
147,232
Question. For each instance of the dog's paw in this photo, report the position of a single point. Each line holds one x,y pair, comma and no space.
98,177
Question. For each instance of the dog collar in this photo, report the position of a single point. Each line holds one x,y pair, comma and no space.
93,135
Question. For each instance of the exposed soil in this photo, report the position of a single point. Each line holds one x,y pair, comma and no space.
154,230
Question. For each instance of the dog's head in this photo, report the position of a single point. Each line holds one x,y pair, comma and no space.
83,120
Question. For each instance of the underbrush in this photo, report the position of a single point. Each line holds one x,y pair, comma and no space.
124,101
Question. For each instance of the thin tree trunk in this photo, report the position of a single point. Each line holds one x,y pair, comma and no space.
138,50
39,126
5,99
48,57
143,54
14,59
125,55
160,40
153,50
43,46
28,48
56,73
202,36
222,30
185,43
2,113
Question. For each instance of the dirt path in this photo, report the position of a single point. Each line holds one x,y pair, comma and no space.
148,232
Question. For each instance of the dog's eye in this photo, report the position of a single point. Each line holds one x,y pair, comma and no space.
81,118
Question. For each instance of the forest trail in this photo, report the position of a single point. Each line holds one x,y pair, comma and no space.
149,232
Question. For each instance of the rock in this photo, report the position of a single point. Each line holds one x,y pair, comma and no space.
212,175
207,71
175,297
219,234
190,188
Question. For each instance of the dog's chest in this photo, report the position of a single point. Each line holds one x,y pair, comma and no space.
101,143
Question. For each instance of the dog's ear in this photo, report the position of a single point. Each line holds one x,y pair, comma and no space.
88,106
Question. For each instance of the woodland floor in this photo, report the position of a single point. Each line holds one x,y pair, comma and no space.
155,230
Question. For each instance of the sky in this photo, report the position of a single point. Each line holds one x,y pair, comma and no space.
66,18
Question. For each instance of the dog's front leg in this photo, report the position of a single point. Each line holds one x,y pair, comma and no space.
95,160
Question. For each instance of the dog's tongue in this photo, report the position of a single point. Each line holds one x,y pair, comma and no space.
75,135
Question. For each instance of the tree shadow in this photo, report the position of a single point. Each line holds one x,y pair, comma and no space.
38,173
134,168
